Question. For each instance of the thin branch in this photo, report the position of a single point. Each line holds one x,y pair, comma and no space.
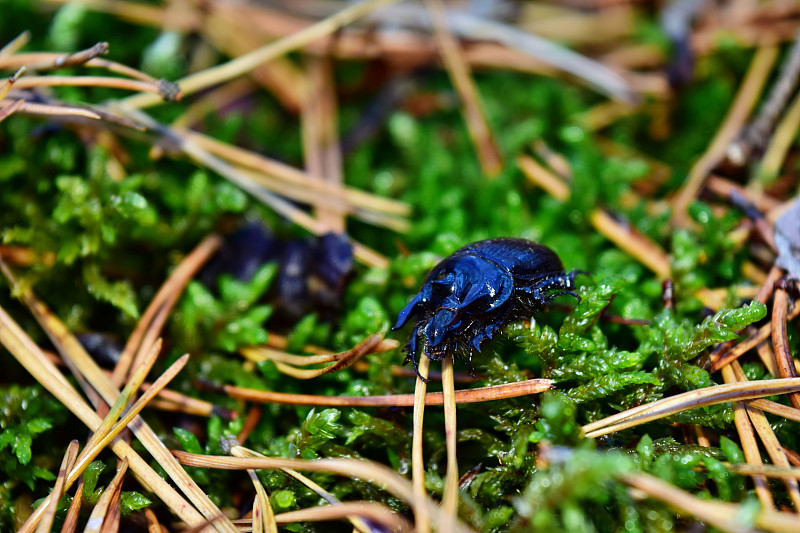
359,524
483,394
46,524
421,515
746,98
768,438
690,400
31,82
755,136
340,361
10,81
9,108
370,471
450,497
320,135
154,317
624,236
780,339
98,516
71,520
15,44
747,438
763,333
632,241
780,143
461,77
76,58
110,427
247,62
72,351
374,512
720,515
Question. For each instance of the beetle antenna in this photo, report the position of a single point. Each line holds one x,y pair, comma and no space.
562,293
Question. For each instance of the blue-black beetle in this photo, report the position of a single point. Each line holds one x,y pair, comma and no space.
468,296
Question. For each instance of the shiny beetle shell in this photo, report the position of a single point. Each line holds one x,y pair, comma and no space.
468,296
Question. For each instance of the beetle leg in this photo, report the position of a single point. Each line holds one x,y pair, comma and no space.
562,281
411,348
539,291
533,290
475,346
469,363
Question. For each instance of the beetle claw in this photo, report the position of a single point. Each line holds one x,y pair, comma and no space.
411,348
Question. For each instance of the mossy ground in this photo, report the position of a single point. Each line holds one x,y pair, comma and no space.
114,242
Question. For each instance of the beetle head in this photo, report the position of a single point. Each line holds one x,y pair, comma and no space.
474,287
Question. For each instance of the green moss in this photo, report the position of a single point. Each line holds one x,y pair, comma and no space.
115,241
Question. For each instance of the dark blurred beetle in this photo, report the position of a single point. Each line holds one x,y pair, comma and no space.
312,272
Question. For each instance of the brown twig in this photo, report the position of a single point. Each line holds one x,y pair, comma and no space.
55,110
10,81
284,362
690,400
321,355
483,394
234,30
172,400
780,340
39,61
719,515
110,427
749,90
767,356
321,137
149,326
780,142
776,408
539,175
624,236
726,189
152,522
247,62
450,496
46,523
768,438
297,179
111,494
15,44
763,333
253,416
32,82
747,438
9,108
633,242
417,457
360,526
86,368
71,520
755,136
370,471
77,58
460,75
374,512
